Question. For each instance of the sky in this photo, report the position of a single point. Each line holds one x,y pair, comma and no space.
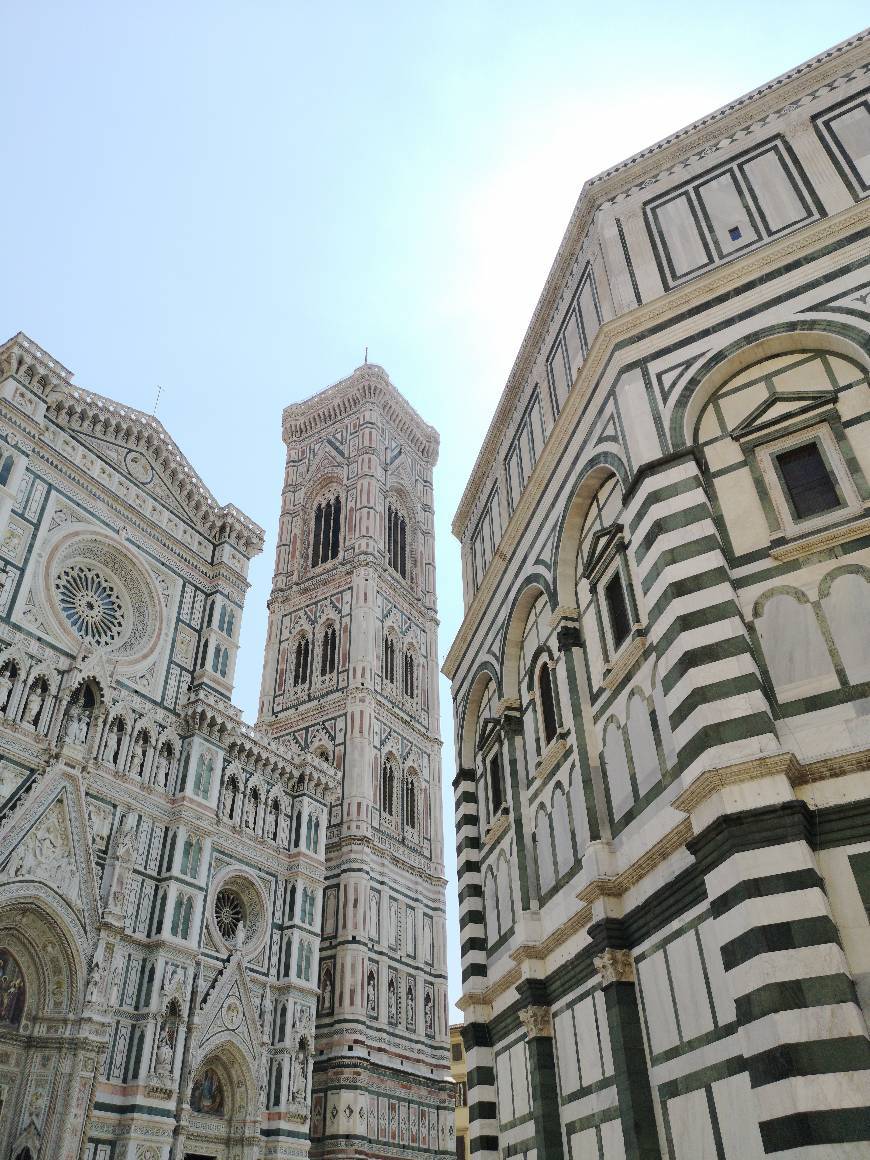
233,200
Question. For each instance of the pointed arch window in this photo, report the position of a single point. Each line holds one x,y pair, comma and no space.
326,538
300,664
397,534
411,802
389,665
328,651
547,702
388,788
408,681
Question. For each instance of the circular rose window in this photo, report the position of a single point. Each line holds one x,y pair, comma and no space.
101,594
238,909
229,913
90,603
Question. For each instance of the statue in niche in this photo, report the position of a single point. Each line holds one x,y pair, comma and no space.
33,705
163,1058
72,724
375,915
125,856
410,1004
326,991
300,1081
95,979
137,757
5,689
391,1000
162,770
428,1013
372,998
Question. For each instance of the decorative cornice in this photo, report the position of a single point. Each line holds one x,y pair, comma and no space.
820,541
367,385
621,883
727,279
77,409
641,170
551,757
625,661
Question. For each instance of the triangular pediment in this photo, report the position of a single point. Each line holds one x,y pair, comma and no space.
229,1013
780,408
49,845
600,547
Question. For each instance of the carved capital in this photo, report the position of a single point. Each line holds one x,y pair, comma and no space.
537,1022
569,636
614,966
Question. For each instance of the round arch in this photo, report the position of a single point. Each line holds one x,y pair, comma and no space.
783,338
536,585
598,469
485,675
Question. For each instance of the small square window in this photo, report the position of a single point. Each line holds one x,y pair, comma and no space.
617,609
734,234
808,481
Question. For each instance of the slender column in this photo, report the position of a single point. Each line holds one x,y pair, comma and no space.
633,1090
569,640
482,1108
538,1024
471,926
802,1032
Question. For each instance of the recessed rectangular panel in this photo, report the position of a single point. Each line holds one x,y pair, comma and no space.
685,250
851,133
777,194
588,308
727,215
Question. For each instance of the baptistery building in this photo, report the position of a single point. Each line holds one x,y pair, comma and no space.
662,677
163,865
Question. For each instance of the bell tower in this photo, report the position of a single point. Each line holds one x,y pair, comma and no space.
351,671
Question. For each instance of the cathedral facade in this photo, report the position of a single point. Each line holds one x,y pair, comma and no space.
163,864
661,680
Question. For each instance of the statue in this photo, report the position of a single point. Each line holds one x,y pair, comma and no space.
5,689
162,771
94,980
163,1058
32,705
115,987
137,757
300,1080
239,936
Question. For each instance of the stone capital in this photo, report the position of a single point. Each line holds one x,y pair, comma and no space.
537,1022
614,966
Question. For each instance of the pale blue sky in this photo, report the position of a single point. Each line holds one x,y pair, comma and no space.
233,200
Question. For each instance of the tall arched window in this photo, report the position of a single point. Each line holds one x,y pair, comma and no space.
397,533
327,651
388,788
410,802
300,665
222,619
390,659
408,682
547,703
327,531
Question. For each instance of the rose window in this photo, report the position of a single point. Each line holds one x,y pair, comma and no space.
229,913
90,603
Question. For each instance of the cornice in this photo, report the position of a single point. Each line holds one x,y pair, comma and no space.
640,170
726,280
367,385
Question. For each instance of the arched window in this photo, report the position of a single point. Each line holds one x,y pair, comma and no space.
327,651
303,911
202,777
288,958
291,904
306,966
390,659
410,802
8,677
204,655
252,808
222,620
327,531
210,617
388,788
225,660
176,917
309,910
185,856
397,532
231,622
297,831
315,836
300,665
547,703
496,783
216,659
281,1024
231,796
185,922
408,682
276,1084
309,825
274,819
195,856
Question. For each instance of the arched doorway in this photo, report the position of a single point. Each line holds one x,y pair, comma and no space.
223,1105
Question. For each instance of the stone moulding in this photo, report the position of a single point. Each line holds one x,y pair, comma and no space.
626,661
820,541
496,827
551,757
